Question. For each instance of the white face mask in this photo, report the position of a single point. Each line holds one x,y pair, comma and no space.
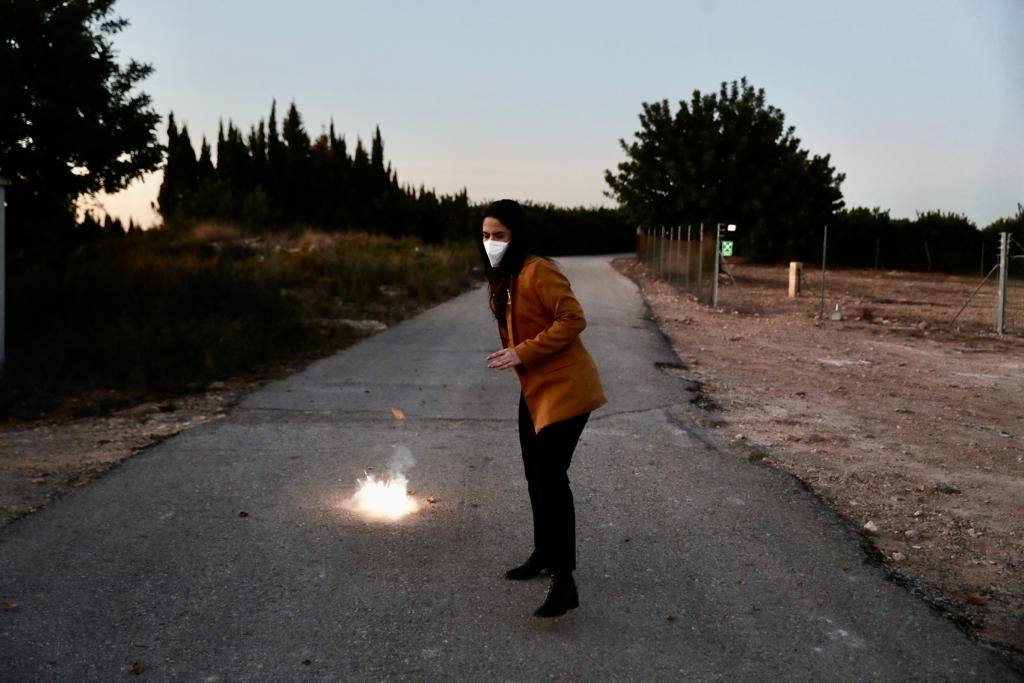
495,250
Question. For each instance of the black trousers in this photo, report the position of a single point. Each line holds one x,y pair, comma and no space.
546,458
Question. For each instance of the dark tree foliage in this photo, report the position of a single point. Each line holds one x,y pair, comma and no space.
931,241
728,157
70,123
285,179
580,230
1013,225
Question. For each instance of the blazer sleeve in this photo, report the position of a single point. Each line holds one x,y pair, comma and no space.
555,294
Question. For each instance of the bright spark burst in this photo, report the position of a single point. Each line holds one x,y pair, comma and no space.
383,499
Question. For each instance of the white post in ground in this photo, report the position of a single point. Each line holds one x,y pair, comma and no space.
1004,261
795,268
3,268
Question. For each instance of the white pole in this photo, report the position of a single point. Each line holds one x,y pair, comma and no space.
1004,252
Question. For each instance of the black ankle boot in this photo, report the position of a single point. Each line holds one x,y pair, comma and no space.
562,596
527,570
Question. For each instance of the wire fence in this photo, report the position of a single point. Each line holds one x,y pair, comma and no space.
684,256
1013,318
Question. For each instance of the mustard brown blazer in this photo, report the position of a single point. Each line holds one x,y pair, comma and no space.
543,321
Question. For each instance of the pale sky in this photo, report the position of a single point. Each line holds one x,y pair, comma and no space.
919,102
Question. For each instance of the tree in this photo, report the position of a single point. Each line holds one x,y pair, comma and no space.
70,123
727,157
181,174
295,201
1013,225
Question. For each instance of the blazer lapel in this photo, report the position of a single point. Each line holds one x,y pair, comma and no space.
508,312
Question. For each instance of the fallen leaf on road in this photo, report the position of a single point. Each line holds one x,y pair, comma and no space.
398,413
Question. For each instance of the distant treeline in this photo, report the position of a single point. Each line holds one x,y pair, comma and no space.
932,241
730,157
267,178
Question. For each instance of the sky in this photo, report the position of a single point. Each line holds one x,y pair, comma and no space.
919,102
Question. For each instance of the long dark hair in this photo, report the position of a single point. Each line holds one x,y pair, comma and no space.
511,215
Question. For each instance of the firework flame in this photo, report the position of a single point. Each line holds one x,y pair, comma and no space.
383,499
386,498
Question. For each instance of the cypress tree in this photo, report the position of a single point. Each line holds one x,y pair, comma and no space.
168,193
275,161
296,202
377,151
180,177
222,168
205,170
258,154
360,182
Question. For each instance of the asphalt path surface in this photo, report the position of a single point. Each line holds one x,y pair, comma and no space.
694,563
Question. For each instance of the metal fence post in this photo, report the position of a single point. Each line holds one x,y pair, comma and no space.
674,270
3,269
1004,261
655,250
661,254
688,230
700,264
824,246
668,255
714,279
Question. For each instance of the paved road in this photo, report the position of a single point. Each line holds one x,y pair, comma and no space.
694,564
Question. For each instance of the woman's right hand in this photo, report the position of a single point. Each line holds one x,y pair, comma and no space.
504,359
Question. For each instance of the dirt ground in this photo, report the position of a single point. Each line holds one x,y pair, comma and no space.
907,425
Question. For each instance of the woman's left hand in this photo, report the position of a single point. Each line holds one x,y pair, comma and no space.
503,360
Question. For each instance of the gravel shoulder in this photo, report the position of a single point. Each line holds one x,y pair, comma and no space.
913,432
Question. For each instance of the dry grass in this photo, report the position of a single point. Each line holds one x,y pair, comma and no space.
165,313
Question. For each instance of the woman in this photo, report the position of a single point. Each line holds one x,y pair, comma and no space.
539,321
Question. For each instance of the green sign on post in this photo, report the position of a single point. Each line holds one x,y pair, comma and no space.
727,248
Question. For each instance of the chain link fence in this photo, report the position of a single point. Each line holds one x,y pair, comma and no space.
684,256
1013,287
